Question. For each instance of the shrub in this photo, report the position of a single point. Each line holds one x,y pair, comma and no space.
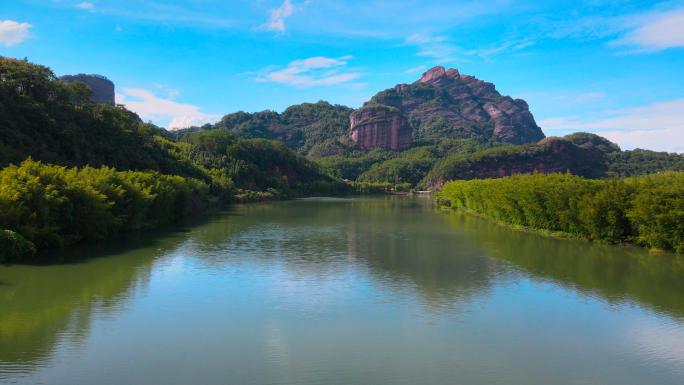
647,210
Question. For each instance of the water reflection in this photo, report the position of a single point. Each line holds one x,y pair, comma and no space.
303,286
618,275
392,241
46,304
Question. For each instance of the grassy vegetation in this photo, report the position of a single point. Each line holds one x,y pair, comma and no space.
53,206
647,210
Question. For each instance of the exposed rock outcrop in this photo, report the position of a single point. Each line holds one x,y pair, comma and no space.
380,126
550,155
103,88
471,105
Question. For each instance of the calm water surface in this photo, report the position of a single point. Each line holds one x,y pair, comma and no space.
339,291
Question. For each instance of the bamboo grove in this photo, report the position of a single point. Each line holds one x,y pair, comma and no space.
647,210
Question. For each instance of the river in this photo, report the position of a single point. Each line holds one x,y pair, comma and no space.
361,290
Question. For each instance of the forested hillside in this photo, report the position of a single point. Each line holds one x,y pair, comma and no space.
76,170
42,118
312,129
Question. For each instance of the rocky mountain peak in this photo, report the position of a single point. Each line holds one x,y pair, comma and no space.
432,74
438,76
465,105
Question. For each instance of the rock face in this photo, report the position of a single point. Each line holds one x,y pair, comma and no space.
469,105
550,155
103,88
380,126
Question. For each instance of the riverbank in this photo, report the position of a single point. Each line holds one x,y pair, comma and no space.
545,232
382,289
44,206
645,211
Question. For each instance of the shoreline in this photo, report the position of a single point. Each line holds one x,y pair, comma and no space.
553,234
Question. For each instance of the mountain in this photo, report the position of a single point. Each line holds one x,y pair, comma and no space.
440,105
463,105
442,127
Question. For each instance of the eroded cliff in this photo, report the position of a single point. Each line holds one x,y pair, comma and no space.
380,126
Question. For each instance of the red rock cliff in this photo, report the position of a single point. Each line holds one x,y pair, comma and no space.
380,126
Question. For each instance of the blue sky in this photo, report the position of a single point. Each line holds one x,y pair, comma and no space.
610,67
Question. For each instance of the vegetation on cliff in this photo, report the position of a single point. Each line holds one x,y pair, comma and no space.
550,155
430,163
647,210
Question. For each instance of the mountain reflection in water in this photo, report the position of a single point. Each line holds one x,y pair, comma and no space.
364,290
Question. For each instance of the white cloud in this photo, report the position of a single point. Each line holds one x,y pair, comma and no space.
582,98
659,31
590,96
579,29
84,5
12,32
507,47
276,21
658,126
647,334
151,107
435,47
179,122
311,72
118,28
412,70
439,48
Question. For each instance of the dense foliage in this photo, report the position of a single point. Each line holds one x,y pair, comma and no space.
43,205
550,155
43,118
256,164
312,129
642,162
647,211
399,166
130,175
